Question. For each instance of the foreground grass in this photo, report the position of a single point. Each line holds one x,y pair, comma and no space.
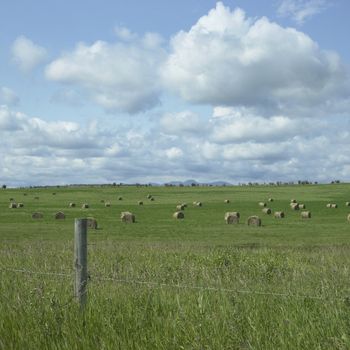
166,284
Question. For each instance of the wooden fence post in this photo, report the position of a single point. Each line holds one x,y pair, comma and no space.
80,261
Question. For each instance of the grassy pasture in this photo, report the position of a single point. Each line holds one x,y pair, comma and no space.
284,285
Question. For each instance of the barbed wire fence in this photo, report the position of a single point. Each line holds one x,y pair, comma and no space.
81,277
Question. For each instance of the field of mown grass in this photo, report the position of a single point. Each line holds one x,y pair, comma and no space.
163,283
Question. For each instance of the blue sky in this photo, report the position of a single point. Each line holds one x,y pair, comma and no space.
154,91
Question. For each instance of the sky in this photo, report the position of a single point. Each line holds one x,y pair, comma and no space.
154,91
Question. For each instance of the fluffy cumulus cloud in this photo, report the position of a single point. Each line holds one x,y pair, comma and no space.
301,10
237,146
119,76
26,54
229,59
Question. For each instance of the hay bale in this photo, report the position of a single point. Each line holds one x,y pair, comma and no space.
267,211
20,205
102,201
12,199
302,206
13,205
151,199
254,221
199,204
262,204
180,207
270,199
92,223
329,205
235,213
37,215
194,203
347,204
294,206
279,214
107,204
60,216
85,206
305,215
349,217
140,203
120,198
227,201
184,204
178,215
293,200
127,217
149,196
334,205
232,218
71,205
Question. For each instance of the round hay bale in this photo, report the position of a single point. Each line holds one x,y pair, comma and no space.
262,204
140,203
178,215
180,207
107,204
349,217
254,221
92,223
120,198
102,200
151,199
37,215
293,200
85,206
294,206
334,205
199,204
60,216
347,204
279,214
12,199
71,205
305,215
270,199
184,204
20,205
149,196
302,206
329,205
234,213
227,201
127,217
13,205
194,203
267,211
232,218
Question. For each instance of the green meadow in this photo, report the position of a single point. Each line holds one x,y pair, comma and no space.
162,283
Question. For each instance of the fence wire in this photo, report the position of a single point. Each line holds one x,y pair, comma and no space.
92,278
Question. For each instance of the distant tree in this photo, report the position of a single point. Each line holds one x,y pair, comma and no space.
4,187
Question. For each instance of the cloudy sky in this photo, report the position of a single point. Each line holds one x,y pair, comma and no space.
154,91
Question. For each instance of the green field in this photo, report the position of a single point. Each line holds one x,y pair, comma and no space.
162,283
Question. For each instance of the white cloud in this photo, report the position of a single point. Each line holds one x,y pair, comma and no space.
230,60
185,122
8,96
174,153
301,10
119,77
26,54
